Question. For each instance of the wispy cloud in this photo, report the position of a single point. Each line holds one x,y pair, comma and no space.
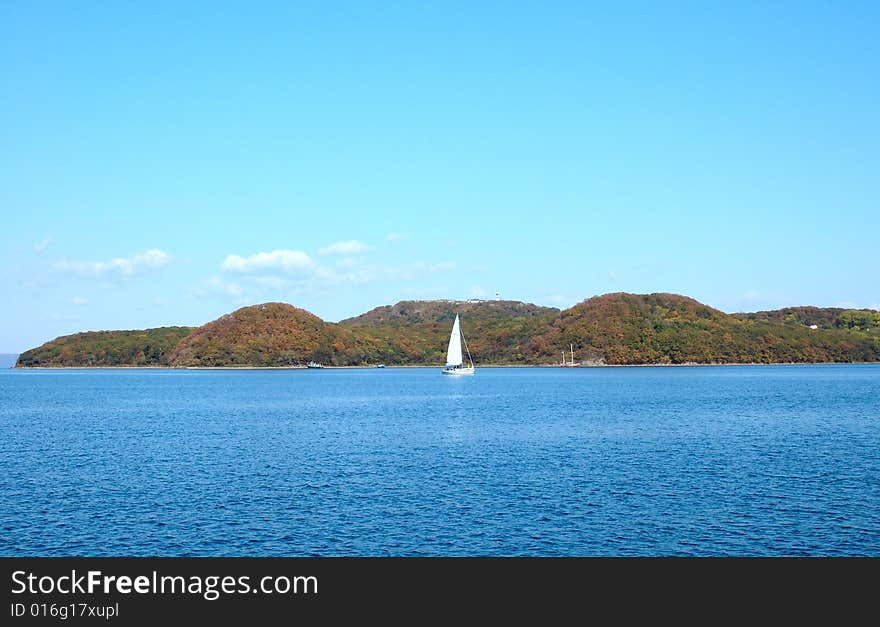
350,247
846,304
559,299
58,317
354,275
396,238
476,292
41,246
285,260
218,284
271,282
118,266
753,296
246,287
284,273
78,300
357,272
612,275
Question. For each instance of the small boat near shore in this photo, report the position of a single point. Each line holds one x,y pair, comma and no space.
314,364
572,363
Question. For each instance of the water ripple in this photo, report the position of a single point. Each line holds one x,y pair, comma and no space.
643,461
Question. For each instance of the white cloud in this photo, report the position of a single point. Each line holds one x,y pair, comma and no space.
276,260
350,247
247,287
120,266
874,306
311,276
43,245
78,300
394,238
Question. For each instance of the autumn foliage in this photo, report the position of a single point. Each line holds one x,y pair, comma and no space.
610,329
148,347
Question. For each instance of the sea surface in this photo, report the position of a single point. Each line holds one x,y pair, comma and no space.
665,461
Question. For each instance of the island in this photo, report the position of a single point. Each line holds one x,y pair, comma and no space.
612,329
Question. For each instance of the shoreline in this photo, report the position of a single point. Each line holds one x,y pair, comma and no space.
440,367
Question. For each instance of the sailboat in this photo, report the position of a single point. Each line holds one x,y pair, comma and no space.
572,363
454,362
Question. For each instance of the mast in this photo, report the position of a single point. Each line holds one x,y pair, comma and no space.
466,347
571,346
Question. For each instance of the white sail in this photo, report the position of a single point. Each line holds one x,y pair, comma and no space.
454,362
453,353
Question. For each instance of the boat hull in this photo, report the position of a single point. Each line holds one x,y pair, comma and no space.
457,372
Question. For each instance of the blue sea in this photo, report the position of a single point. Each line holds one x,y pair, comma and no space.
665,461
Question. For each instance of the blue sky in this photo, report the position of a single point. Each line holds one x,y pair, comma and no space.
166,162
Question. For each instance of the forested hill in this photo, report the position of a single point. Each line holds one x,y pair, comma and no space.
865,320
668,328
267,335
148,347
610,329
417,332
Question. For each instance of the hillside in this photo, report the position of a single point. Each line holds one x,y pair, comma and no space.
271,334
148,347
417,332
610,329
860,320
668,328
